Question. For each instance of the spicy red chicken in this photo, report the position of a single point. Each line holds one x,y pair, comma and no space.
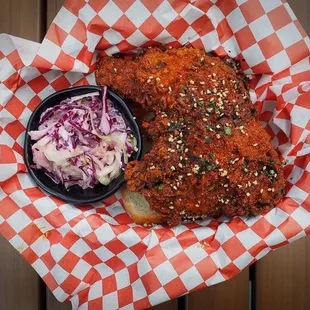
210,155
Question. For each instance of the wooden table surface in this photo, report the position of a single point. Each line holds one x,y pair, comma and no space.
281,280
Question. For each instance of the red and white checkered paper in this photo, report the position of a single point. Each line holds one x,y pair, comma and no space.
97,257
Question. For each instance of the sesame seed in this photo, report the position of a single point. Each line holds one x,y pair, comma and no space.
182,94
240,186
264,168
170,89
245,97
214,74
255,182
209,91
171,207
202,83
115,69
218,136
224,173
248,194
262,190
186,150
212,64
148,81
223,82
172,168
256,144
197,206
192,82
225,185
175,188
179,141
157,79
256,174
150,77
180,165
172,151
269,189
189,174
152,168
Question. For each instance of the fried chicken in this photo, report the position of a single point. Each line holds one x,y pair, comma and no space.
211,156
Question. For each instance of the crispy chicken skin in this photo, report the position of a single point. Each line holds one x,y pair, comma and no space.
211,156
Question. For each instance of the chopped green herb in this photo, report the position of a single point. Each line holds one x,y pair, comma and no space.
228,131
160,186
212,103
177,127
210,167
201,103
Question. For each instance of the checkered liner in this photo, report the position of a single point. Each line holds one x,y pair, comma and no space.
97,257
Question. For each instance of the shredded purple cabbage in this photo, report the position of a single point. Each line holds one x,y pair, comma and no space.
83,141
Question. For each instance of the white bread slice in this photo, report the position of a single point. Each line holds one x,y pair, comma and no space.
139,209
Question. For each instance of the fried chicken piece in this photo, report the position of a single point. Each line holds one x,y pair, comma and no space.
210,156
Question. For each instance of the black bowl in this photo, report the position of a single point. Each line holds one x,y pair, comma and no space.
75,194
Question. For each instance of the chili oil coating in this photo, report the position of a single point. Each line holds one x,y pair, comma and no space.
211,156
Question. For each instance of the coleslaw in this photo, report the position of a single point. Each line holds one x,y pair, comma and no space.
83,141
